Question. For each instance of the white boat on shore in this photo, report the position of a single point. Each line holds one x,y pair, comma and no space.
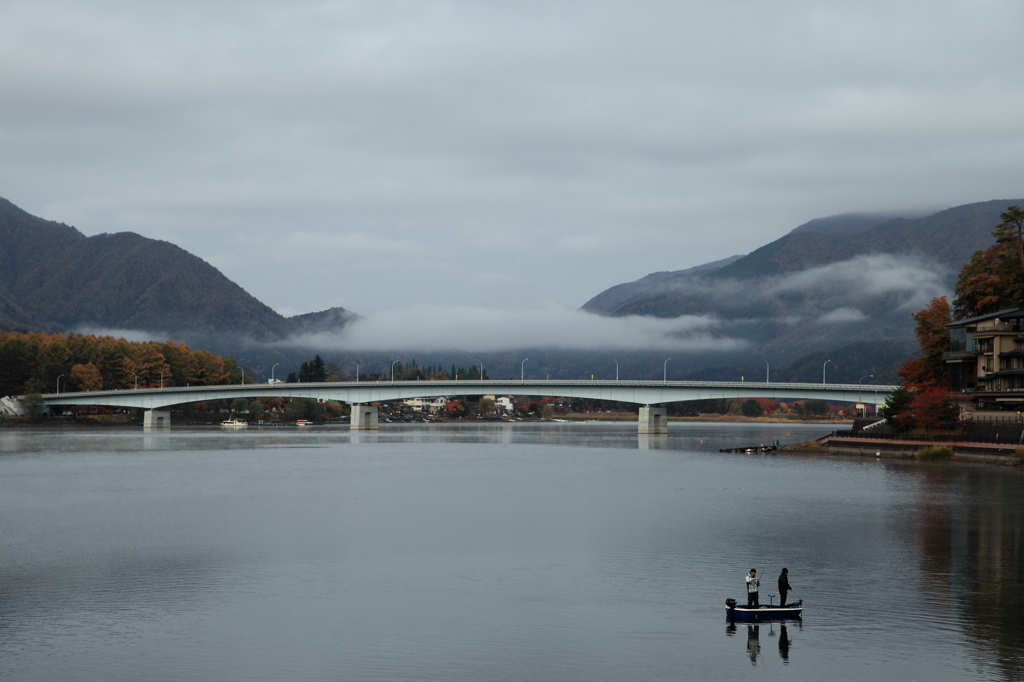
235,423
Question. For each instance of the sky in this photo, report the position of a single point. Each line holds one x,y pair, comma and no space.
405,159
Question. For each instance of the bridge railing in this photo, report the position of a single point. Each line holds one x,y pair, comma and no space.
447,386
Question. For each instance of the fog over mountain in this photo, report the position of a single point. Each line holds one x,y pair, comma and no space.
853,280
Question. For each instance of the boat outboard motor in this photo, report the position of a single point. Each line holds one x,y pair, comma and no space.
731,603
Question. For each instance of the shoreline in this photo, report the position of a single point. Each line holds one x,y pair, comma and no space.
857,448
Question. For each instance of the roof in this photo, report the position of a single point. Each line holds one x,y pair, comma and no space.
1006,313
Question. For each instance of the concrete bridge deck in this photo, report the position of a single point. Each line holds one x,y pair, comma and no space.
644,393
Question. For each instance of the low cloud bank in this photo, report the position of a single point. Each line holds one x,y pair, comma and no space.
446,327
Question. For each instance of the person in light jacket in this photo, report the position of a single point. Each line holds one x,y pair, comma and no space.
753,585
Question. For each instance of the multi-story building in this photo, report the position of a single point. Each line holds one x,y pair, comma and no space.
986,359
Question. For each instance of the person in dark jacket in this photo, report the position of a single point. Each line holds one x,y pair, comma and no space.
783,586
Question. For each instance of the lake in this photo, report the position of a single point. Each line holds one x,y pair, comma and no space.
531,551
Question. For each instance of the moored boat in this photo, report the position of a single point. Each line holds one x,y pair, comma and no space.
234,422
303,422
753,614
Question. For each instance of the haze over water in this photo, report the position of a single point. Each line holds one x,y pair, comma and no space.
495,552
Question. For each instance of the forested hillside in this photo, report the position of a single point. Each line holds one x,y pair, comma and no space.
54,278
36,362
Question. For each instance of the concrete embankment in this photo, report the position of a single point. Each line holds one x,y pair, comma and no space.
907,449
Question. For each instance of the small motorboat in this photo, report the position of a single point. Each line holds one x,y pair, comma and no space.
754,614
236,423
303,422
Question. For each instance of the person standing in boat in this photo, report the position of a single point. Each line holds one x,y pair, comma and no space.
753,585
783,586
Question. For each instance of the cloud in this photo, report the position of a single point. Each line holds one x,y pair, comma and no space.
842,316
586,144
907,281
137,335
472,328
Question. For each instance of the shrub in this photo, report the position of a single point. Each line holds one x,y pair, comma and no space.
935,452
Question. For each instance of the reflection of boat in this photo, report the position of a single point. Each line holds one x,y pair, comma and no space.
234,422
303,422
739,612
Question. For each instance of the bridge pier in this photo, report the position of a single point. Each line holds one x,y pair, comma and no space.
156,419
653,420
364,418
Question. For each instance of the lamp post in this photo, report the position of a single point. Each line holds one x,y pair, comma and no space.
58,383
357,371
664,372
616,368
393,370
272,372
481,369
861,384
823,371
767,372
522,371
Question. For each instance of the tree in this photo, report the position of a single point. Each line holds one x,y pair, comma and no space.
256,411
931,408
933,337
896,409
33,404
86,377
751,408
994,279
454,408
313,370
815,408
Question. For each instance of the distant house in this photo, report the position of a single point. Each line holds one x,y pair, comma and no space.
986,359
430,405
504,403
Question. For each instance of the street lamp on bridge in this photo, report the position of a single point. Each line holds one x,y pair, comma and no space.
823,372
393,370
861,385
767,372
58,383
357,371
664,372
522,371
272,372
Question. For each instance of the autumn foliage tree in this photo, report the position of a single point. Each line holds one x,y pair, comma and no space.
991,281
34,361
994,278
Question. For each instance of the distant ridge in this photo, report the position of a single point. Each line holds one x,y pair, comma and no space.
54,278
947,237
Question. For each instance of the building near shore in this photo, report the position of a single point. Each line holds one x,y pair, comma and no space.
986,359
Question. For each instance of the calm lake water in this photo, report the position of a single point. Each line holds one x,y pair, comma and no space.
496,552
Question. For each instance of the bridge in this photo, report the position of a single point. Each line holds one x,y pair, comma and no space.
650,395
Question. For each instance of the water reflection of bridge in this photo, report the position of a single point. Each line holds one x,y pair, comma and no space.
650,395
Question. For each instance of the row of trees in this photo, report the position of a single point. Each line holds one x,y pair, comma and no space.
318,370
37,362
993,280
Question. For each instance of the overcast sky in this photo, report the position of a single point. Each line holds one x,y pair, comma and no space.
498,155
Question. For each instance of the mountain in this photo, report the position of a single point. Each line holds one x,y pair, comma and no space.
54,278
827,284
947,239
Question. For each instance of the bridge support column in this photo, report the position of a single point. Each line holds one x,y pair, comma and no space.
653,420
364,418
156,419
